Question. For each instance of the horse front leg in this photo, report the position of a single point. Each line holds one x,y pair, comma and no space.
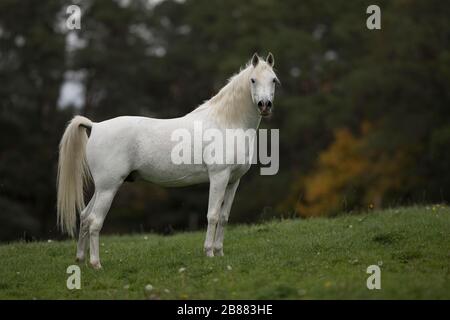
223,218
217,186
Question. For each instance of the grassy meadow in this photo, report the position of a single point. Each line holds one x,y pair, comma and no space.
320,258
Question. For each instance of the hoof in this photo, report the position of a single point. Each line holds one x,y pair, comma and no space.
218,252
79,259
96,265
209,252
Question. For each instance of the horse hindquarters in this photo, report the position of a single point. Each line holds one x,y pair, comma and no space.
109,165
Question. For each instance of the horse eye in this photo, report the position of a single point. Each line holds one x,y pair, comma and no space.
274,80
252,80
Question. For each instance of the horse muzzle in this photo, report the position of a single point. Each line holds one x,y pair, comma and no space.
265,108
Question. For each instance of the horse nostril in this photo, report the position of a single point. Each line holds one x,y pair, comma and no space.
260,104
269,104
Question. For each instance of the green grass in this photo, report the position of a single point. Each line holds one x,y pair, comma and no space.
291,259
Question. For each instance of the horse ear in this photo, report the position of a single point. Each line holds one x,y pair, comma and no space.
255,59
270,59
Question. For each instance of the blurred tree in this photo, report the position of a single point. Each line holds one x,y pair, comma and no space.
163,58
395,79
31,71
352,175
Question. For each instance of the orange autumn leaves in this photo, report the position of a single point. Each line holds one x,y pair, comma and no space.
350,174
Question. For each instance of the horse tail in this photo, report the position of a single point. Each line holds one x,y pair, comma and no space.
73,173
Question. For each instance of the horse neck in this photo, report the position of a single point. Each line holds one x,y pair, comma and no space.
233,106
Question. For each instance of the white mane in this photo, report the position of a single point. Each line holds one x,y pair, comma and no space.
233,103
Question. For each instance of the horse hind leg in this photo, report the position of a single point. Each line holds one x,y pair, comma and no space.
83,237
103,200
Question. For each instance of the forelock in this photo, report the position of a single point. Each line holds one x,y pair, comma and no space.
262,67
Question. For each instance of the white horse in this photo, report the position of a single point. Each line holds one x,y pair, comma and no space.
130,148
